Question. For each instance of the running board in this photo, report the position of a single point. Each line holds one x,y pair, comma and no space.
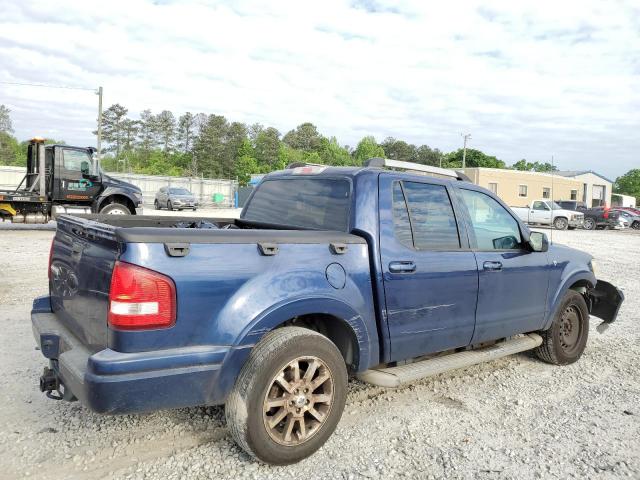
400,375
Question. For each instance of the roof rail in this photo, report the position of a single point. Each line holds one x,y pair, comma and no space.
304,164
416,167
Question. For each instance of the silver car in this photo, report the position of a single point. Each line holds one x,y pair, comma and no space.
632,220
175,198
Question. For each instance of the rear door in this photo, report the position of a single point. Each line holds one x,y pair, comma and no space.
430,275
513,280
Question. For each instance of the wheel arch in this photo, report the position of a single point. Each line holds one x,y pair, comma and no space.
333,318
116,198
578,281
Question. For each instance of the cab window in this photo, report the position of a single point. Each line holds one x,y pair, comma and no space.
423,215
492,227
540,206
76,161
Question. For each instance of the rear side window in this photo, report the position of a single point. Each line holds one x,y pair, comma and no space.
315,203
430,216
401,223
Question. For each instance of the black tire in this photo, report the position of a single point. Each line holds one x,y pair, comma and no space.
566,339
245,408
156,205
115,208
560,223
169,206
194,209
636,225
589,224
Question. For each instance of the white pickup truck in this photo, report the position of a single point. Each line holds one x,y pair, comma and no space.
546,212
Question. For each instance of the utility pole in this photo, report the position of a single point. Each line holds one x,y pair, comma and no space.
99,93
464,151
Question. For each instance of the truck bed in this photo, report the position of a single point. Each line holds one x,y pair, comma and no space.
227,282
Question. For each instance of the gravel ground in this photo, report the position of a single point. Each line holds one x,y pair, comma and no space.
513,418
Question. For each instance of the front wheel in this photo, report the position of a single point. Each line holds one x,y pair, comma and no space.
636,225
169,206
156,205
289,396
565,341
116,209
589,224
561,223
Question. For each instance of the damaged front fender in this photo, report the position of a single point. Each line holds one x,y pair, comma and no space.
605,302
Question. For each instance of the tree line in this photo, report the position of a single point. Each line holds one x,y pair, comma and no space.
212,146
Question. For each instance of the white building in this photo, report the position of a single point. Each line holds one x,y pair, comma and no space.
620,200
596,189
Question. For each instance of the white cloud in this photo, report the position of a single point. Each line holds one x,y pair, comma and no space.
527,79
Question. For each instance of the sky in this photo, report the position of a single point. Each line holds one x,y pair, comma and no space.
526,79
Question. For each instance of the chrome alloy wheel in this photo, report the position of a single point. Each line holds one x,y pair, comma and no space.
298,401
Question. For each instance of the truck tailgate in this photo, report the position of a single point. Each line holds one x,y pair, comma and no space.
82,259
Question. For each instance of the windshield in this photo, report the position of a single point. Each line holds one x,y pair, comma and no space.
316,203
179,191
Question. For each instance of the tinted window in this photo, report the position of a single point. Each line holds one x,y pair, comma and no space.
179,191
401,224
318,203
493,227
432,218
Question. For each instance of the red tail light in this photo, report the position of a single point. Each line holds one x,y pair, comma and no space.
50,257
140,298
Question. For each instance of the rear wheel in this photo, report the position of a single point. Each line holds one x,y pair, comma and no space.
156,205
565,341
289,396
116,208
589,224
561,223
636,225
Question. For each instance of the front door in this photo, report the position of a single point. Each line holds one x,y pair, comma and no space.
513,280
73,166
430,276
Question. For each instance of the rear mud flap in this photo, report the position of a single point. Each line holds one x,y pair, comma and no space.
605,303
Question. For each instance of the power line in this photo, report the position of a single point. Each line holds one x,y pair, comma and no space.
47,86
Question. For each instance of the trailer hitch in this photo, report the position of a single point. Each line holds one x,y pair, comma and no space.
49,381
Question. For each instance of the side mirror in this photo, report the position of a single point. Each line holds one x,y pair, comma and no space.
538,242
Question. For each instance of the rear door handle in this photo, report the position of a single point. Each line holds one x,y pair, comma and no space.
402,267
492,265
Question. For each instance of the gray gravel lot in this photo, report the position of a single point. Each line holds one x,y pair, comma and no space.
513,418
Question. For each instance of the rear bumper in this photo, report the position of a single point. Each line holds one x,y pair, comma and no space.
107,381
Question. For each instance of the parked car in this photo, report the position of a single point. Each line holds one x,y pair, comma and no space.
328,272
175,198
574,205
546,212
628,217
601,217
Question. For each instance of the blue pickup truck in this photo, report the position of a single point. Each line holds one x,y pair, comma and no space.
389,272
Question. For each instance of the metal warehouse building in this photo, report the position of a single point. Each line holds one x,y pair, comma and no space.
519,188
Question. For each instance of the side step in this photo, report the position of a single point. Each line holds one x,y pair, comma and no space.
400,375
